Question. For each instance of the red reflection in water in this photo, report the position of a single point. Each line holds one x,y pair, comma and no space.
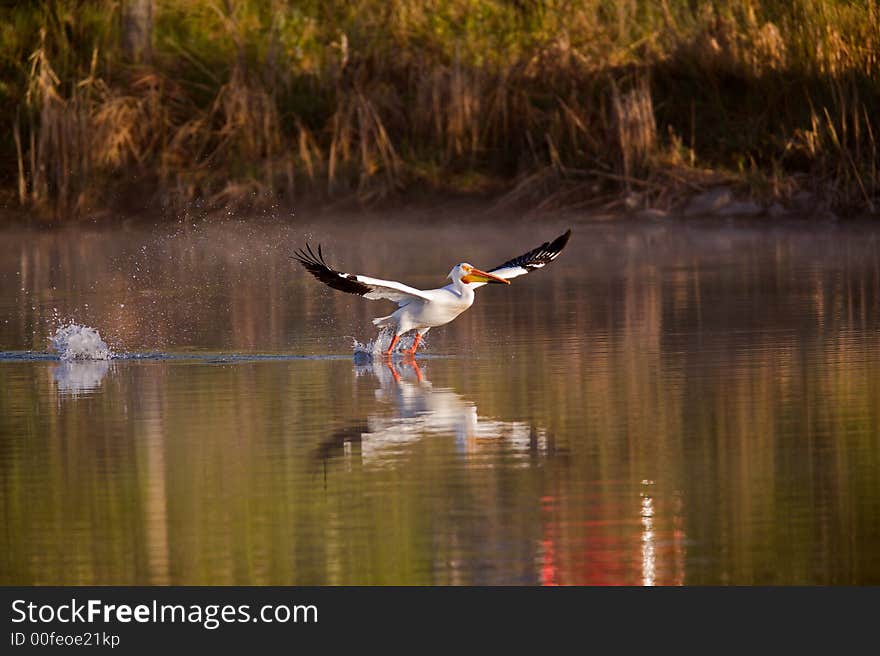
622,544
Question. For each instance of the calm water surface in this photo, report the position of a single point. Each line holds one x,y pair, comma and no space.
666,404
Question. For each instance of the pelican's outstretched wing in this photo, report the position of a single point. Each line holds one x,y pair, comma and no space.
537,258
372,288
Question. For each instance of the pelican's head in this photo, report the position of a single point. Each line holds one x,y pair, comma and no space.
467,273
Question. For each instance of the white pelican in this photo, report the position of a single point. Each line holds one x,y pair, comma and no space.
423,309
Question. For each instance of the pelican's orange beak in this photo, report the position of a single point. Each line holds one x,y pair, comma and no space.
476,275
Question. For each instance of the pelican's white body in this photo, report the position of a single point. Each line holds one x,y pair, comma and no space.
432,307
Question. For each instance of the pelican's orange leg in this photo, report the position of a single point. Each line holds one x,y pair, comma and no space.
415,345
393,371
417,371
392,345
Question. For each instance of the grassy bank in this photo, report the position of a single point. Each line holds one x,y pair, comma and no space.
547,103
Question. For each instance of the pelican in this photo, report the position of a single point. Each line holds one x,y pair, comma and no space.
423,309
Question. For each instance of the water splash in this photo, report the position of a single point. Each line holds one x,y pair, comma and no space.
374,348
364,352
77,342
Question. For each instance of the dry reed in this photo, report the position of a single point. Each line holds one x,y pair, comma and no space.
562,105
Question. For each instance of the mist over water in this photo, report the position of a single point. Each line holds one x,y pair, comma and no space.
667,403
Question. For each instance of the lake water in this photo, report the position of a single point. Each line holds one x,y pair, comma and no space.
667,403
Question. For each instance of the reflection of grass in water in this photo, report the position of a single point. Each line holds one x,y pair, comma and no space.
759,460
758,422
241,106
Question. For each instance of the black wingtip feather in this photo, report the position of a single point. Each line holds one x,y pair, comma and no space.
560,242
540,256
315,264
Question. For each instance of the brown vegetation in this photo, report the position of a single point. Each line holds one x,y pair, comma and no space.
604,104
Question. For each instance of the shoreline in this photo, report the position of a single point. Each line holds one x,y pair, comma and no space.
718,203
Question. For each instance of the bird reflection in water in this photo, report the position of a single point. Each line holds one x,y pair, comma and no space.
419,410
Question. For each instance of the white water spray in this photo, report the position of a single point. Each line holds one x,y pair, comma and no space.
76,342
375,348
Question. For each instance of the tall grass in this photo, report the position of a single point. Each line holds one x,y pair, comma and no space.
554,103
